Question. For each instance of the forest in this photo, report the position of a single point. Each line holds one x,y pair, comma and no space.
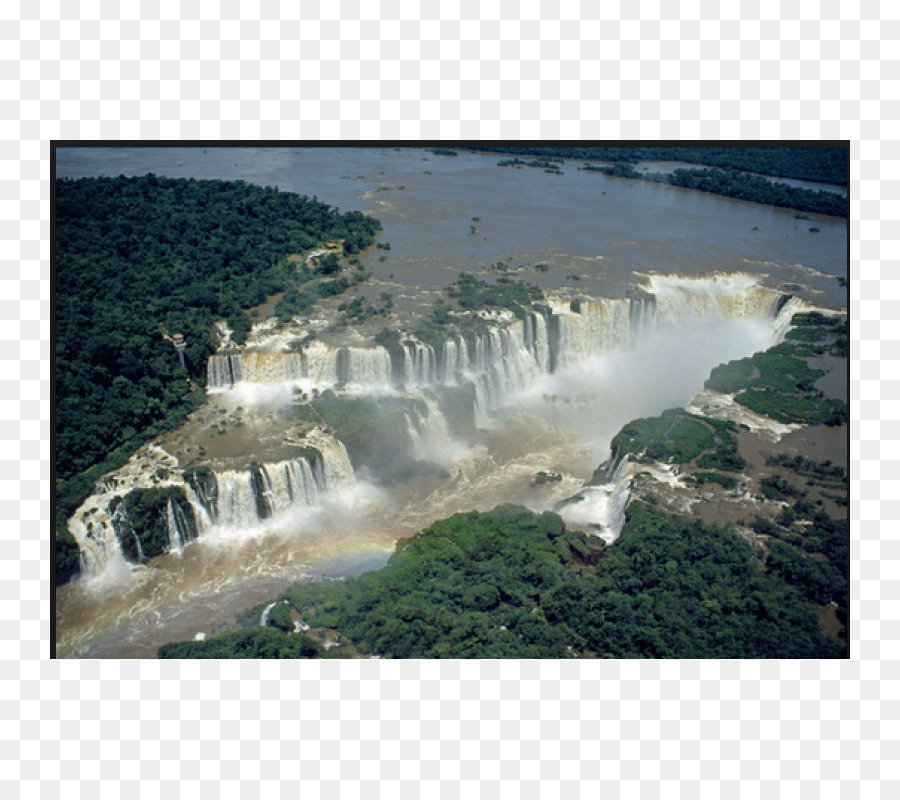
820,164
738,186
513,584
137,258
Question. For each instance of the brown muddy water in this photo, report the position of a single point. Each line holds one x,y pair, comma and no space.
596,235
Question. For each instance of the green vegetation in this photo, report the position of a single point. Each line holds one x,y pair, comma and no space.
676,436
726,481
779,383
807,549
673,436
140,257
821,164
145,520
823,473
471,294
739,186
784,374
834,328
547,164
253,643
443,151
806,410
840,499
817,581
280,618
359,310
774,487
68,562
299,301
512,584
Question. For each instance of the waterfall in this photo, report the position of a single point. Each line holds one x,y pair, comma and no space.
234,499
318,365
415,438
335,468
223,371
176,543
429,432
237,505
601,509
368,367
496,362
264,617
244,498
732,296
589,328
290,483
505,358
618,501
452,362
419,364
272,368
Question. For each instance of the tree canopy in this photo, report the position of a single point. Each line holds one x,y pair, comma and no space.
513,584
137,258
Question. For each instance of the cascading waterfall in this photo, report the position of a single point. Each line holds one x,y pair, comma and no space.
368,367
234,499
176,541
419,364
244,498
429,433
318,365
224,370
602,508
590,327
497,362
505,359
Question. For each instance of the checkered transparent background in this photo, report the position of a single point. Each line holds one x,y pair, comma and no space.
487,70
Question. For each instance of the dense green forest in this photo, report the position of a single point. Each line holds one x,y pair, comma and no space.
820,164
137,258
513,584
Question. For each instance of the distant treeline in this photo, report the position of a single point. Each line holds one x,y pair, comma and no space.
821,164
738,185
140,257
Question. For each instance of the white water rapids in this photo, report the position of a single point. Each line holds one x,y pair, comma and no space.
548,393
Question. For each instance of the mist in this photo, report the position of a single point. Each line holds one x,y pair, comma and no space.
663,369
